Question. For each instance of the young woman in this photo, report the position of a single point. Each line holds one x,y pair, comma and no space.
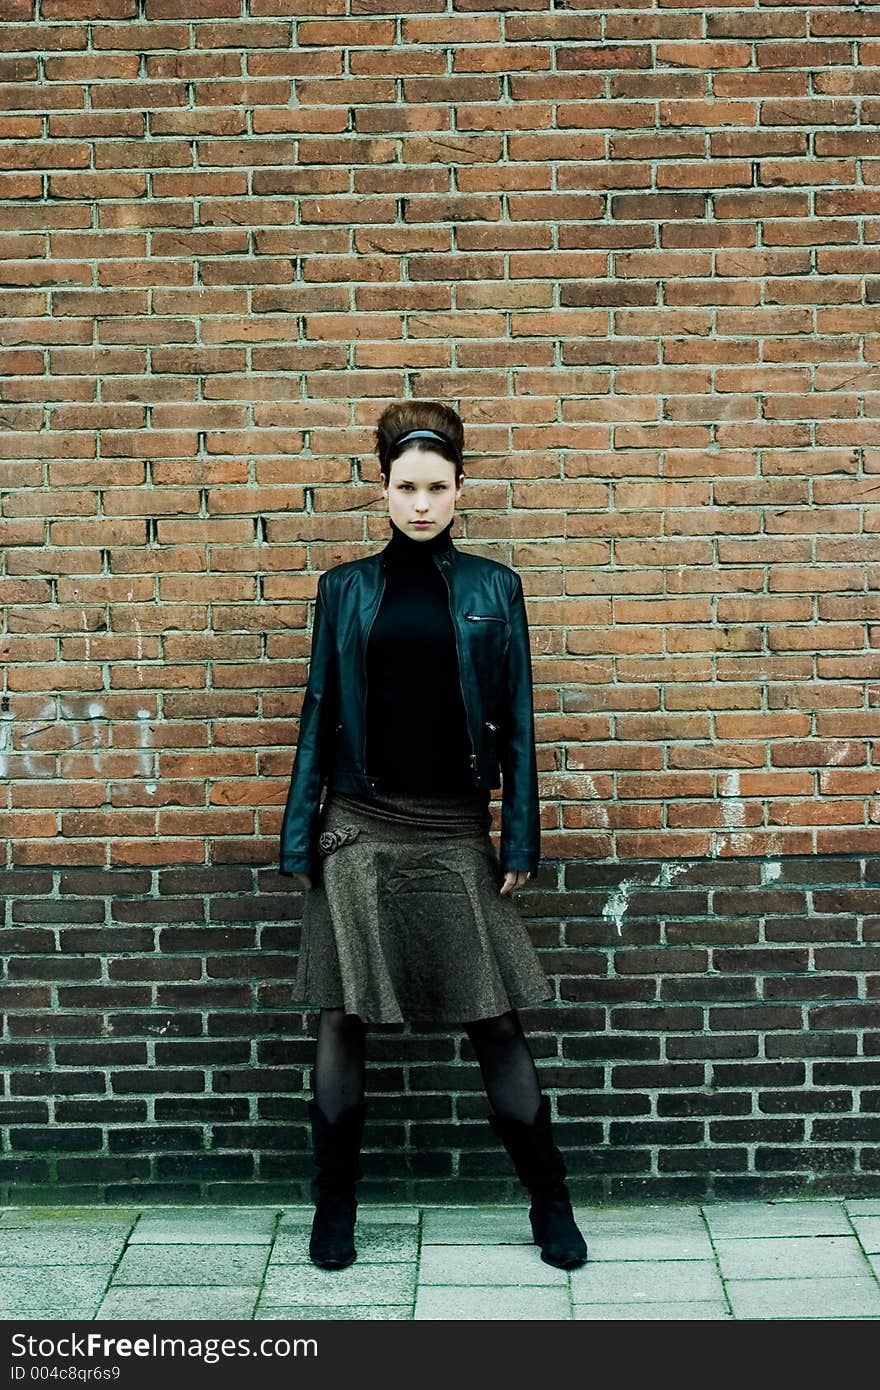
418,702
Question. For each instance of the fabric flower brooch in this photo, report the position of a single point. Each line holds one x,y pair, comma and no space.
329,840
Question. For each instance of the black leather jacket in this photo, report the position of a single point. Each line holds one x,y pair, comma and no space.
492,638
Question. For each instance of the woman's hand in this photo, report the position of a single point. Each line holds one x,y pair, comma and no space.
514,878
303,880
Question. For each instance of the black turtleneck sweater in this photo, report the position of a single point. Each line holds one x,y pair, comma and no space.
417,738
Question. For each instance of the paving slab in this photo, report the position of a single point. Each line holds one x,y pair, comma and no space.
649,1245
370,1284
863,1206
795,1257
61,1244
366,1216
188,1303
711,1310
498,1265
477,1226
305,1312
212,1226
234,1265
394,1215
659,1218
736,1220
377,1242
635,1281
55,1288
52,1312
96,1216
471,1303
768,1299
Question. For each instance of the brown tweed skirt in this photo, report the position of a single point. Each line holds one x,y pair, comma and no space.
407,921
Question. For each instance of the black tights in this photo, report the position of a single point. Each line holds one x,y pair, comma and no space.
502,1050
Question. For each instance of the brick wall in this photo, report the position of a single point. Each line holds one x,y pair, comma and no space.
715,1030
638,250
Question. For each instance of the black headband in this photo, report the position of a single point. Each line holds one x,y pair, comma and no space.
424,434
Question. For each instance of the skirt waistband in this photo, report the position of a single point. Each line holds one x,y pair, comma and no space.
468,810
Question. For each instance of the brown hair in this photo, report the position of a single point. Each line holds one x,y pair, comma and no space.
401,416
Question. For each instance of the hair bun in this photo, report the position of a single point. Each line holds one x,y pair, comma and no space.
429,420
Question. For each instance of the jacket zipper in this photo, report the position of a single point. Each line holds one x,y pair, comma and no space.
460,684
366,643
484,618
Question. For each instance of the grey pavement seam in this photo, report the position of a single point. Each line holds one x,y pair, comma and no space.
118,1262
262,1284
721,1277
875,1274
418,1279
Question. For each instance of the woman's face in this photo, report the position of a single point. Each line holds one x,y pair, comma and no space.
421,490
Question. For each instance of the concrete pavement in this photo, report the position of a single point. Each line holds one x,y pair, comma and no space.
661,1261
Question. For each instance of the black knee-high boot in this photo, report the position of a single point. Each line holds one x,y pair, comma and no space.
337,1149
541,1169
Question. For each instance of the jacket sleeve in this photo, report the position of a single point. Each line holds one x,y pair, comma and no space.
299,824
520,807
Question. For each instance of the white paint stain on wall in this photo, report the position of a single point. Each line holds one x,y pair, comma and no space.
601,811
5,742
146,756
733,813
669,871
84,733
617,903
87,734
618,900
733,809
140,652
140,644
839,754
44,719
